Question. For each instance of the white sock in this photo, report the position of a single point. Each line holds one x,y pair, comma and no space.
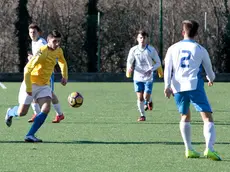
209,135
36,108
141,107
185,129
57,108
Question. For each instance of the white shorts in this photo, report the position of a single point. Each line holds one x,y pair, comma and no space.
37,92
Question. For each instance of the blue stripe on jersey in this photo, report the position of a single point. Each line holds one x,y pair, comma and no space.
199,74
188,40
200,82
147,47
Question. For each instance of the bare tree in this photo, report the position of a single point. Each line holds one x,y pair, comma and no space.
8,42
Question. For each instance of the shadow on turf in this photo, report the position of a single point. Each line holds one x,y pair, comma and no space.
114,143
147,123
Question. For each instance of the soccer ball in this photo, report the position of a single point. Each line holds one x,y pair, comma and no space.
75,99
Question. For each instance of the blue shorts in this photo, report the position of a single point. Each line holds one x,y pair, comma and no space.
197,97
143,86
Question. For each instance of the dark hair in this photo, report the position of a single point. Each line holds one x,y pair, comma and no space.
54,34
190,27
34,26
142,33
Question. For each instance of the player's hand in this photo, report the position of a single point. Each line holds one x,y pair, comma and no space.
130,70
148,73
63,81
29,93
168,92
29,56
210,83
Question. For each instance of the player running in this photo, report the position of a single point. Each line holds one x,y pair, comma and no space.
37,42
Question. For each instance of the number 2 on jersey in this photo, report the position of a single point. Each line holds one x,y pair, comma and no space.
185,58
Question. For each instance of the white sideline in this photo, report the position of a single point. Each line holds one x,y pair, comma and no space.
3,86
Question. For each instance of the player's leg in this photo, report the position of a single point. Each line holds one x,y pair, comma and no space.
43,97
59,114
201,103
183,103
139,89
16,111
24,103
148,95
36,109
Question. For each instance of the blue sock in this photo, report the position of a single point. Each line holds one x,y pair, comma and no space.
38,121
14,111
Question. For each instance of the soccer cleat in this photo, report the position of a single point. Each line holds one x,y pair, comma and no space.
8,118
58,118
212,155
150,105
32,139
141,118
32,119
192,154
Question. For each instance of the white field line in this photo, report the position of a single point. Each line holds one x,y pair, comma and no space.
3,86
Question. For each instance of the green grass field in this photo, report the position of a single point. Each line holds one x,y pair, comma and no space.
103,135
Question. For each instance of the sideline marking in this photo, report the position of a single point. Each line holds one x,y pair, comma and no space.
3,86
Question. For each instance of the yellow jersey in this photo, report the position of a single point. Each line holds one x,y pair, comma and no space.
40,67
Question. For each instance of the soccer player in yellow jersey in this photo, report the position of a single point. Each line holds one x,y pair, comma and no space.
37,42
36,82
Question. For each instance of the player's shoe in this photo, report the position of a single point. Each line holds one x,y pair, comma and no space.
150,105
141,118
212,155
8,118
32,139
58,118
192,154
32,119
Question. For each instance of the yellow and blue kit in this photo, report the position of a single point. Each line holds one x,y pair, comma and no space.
39,69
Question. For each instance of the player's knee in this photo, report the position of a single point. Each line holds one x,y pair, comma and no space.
55,100
46,108
140,99
185,118
207,116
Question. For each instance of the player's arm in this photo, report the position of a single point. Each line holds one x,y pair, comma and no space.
29,68
130,60
156,59
64,68
168,74
208,67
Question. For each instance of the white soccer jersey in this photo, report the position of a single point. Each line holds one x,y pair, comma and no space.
183,64
37,44
143,60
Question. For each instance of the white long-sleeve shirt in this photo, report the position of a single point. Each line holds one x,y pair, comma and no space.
183,64
143,60
37,44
